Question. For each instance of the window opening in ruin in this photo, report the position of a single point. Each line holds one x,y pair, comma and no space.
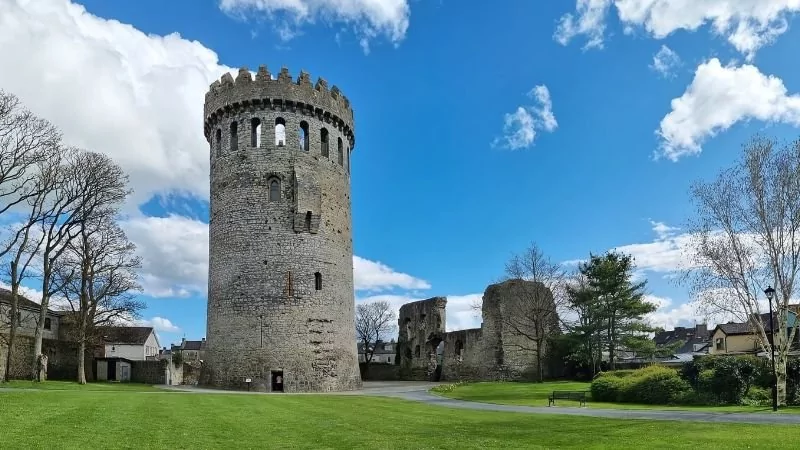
408,328
422,317
255,132
459,350
280,132
348,160
340,150
438,322
234,136
308,220
218,142
277,380
47,323
289,289
318,281
274,190
416,351
323,137
304,136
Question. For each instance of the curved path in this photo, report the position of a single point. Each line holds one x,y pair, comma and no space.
419,392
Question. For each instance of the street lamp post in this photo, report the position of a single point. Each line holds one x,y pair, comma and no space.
770,294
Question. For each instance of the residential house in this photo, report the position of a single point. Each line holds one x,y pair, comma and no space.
694,341
131,343
27,317
384,352
191,350
742,338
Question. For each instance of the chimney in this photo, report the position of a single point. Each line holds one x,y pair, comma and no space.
204,339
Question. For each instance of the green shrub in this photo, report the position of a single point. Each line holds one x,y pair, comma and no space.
758,396
650,385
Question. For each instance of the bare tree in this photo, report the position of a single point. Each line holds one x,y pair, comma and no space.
25,141
29,152
90,185
374,321
532,314
746,236
97,276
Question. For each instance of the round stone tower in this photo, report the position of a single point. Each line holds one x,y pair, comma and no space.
280,286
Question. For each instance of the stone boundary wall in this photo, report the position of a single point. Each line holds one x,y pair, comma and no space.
149,372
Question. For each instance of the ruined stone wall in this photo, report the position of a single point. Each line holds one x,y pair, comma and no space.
422,329
265,311
496,351
149,372
62,363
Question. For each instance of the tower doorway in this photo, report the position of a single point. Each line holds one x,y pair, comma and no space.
277,381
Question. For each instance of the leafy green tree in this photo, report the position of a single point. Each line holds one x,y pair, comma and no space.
617,300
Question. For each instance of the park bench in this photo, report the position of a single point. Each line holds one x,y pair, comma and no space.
579,396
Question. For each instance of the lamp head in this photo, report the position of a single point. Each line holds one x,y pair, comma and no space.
769,292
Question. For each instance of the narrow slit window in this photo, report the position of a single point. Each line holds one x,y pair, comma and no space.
323,138
318,281
341,155
280,132
218,142
348,160
304,136
274,191
234,136
255,133
308,220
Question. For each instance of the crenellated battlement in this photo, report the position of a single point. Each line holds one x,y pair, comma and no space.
281,92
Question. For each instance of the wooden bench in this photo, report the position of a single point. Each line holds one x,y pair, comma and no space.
579,396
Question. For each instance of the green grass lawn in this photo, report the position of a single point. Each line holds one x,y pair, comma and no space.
535,394
71,386
79,419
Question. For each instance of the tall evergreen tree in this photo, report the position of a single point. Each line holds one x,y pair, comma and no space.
618,299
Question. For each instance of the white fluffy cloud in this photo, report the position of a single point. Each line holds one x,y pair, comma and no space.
174,253
747,24
665,62
160,325
670,315
113,89
368,18
520,127
669,252
719,97
376,276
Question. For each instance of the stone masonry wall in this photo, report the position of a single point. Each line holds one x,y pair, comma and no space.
62,363
265,313
496,351
149,372
422,329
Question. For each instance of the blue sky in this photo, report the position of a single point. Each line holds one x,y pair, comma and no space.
480,127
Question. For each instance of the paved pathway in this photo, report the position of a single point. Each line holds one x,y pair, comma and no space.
418,391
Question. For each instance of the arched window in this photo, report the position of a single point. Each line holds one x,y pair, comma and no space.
255,132
341,156
459,349
304,136
274,190
280,132
323,138
318,281
234,136
218,142
308,220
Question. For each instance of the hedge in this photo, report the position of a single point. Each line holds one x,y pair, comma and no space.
651,385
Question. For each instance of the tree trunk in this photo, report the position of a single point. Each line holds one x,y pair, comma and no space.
12,334
81,360
540,372
37,336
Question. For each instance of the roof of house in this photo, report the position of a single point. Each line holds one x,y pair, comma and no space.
125,335
194,345
380,348
22,301
690,336
735,328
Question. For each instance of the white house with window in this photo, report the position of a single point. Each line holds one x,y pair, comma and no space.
132,343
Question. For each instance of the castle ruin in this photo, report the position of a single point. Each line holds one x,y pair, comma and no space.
499,350
280,288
